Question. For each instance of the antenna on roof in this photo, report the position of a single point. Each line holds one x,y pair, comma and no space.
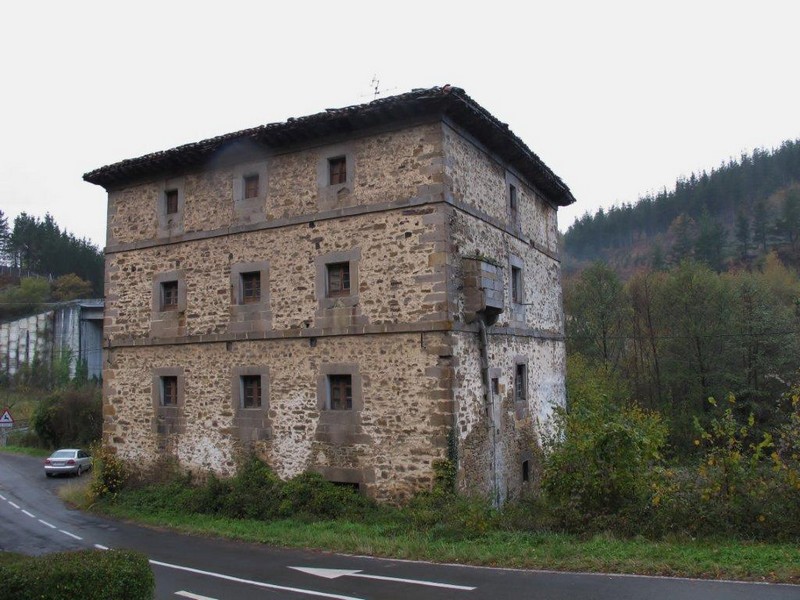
375,86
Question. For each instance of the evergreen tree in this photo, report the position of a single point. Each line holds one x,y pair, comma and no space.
760,224
743,234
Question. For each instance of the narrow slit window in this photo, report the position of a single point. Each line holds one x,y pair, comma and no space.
169,295
526,473
516,285
338,279
340,392
512,201
251,287
250,187
251,391
337,169
169,390
171,200
520,383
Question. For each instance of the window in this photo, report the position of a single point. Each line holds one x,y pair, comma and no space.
512,201
251,287
169,390
169,295
495,386
520,383
171,200
251,186
340,390
526,473
338,279
516,285
337,170
250,391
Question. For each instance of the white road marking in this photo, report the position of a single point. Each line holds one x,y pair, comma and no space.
100,547
12,504
47,524
255,583
25,512
2,497
193,596
72,535
335,573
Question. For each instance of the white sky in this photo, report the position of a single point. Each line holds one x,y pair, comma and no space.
618,98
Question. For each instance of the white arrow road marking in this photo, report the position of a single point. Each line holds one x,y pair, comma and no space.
193,596
334,573
270,586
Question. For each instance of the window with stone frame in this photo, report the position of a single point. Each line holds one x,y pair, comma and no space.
251,186
516,285
521,382
250,283
250,391
340,392
169,295
169,390
513,207
171,202
337,170
338,279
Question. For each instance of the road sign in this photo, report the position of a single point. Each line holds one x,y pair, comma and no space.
6,420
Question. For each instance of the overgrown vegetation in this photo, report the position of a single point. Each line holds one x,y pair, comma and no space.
77,575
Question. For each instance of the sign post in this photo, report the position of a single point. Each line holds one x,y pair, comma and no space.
6,423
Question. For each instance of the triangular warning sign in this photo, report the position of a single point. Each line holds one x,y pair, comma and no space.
6,418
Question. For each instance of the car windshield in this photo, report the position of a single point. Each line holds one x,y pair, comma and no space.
63,454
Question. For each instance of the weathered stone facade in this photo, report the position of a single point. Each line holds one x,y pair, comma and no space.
325,316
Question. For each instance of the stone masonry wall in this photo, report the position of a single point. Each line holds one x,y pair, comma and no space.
520,428
401,429
400,277
387,167
479,181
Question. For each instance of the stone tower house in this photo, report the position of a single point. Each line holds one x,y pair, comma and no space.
360,292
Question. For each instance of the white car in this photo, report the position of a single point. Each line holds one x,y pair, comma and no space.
71,461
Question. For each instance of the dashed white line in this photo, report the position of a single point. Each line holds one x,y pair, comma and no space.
255,583
31,515
100,547
193,596
2,497
72,535
47,524
12,504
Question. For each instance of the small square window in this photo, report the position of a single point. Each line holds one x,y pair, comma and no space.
340,390
338,279
520,383
169,390
251,287
337,170
251,186
171,201
169,295
512,201
516,285
251,391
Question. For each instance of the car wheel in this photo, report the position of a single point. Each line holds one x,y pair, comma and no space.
78,472
49,474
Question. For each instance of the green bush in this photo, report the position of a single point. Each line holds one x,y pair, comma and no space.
70,417
308,495
599,472
77,575
110,474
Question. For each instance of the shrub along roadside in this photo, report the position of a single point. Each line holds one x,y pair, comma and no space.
77,575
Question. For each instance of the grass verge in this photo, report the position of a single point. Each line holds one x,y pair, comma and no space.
711,559
41,452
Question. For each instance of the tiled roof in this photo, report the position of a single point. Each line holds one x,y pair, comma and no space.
447,101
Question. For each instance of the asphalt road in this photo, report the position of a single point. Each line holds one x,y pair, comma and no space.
34,521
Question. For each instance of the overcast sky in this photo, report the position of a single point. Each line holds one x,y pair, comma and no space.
618,98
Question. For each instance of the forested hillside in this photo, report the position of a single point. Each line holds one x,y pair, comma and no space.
726,218
43,263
